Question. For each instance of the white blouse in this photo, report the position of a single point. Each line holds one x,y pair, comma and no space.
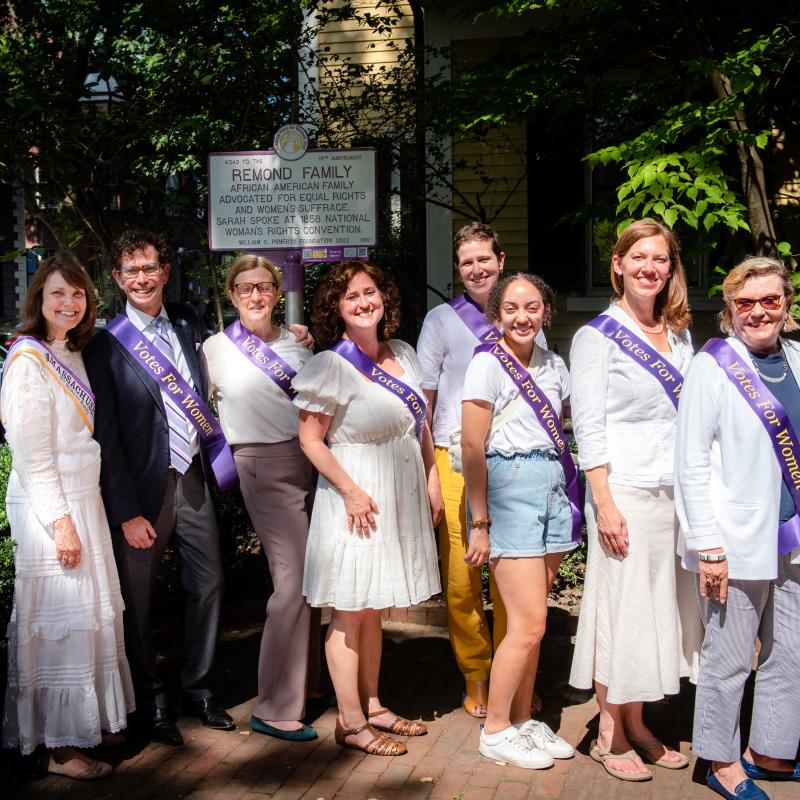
252,408
621,415
52,449
445,348
487,380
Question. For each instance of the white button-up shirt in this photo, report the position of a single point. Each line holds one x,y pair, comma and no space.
621,415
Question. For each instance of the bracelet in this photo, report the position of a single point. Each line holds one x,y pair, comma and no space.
713,558
484,522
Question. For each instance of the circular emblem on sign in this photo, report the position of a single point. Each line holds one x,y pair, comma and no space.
290,142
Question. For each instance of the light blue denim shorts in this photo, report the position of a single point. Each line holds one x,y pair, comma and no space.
528,504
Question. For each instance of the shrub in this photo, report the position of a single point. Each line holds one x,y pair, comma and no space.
6,548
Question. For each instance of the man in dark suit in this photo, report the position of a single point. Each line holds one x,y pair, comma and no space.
154,480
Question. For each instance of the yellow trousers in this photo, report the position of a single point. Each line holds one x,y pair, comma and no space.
469,633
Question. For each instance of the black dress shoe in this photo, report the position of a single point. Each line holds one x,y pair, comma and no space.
163,729
210,712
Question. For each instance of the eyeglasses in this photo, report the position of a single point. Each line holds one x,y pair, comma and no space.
770,302
131,273
246,289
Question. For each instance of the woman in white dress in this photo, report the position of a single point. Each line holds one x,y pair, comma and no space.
370,543
639,629
69,685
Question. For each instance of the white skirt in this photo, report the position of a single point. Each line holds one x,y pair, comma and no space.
68,677
397,564
640,628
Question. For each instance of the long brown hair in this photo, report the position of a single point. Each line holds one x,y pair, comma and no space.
325,317
33,321
672,301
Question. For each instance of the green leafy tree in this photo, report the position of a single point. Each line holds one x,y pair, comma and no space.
695,103
189,78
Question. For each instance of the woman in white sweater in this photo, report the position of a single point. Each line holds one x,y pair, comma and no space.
737,499
639,627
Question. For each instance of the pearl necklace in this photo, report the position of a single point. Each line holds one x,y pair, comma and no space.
654,331
769,378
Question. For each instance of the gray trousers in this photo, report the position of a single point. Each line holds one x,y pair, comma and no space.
769,610
187,520
276,484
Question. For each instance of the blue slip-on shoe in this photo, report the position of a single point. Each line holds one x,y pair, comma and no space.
752,771
304,734
746,790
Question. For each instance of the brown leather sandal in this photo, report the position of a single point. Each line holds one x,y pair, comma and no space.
379,745
476,698
400,727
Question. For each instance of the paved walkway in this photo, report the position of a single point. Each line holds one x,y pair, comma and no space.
419,679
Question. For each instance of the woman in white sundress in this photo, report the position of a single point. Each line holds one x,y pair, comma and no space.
639,630
69,685
370,543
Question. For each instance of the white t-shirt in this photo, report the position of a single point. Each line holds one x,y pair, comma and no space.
445,348
252,408
487,380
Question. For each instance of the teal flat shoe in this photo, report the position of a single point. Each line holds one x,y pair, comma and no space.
304,734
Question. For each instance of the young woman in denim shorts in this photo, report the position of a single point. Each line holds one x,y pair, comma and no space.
520,516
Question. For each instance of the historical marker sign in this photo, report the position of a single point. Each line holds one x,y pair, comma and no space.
322,203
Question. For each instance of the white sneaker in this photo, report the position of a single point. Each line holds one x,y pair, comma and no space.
542,737
513,748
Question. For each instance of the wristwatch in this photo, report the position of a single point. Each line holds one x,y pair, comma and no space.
713,557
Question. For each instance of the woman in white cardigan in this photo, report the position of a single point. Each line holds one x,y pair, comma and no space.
731,500
639,628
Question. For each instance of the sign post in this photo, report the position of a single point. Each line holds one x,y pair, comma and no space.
294,206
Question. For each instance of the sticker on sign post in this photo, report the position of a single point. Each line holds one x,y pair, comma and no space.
322,202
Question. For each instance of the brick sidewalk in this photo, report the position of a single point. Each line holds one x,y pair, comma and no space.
419,679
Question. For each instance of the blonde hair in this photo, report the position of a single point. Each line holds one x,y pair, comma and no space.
672,301
756,267
250,261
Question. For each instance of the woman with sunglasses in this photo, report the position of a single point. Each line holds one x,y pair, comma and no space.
250,368
736,495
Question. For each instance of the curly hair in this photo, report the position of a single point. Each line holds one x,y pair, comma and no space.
756,267
673,300
133,239
325,318
33,321
499,289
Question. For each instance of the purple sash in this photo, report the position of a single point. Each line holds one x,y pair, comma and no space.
474,318
80,394
541,406
261,355
642,353
154,364
366,366
772,415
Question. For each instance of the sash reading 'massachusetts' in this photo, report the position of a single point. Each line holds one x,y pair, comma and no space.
642,353
366,366
474,318
261,355
548,419
77,391
189,402
775,421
